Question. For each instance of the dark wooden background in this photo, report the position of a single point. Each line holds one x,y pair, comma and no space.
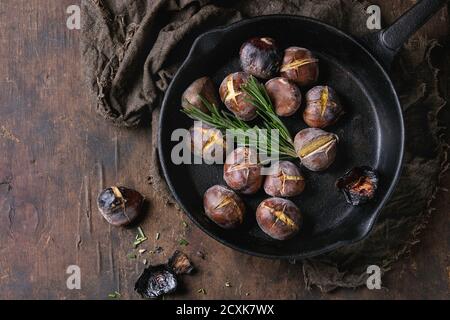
55,155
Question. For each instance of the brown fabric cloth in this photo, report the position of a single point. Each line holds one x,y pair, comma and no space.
132,48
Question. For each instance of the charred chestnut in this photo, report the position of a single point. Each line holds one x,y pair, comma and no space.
200,88
235,99
316,148
279,218
323,107
358,185
300,66
260,57
287,181
156,281
206,141
180,263
224,207
120,206
242,171
285,96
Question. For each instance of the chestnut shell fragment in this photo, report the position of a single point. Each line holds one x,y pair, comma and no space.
120,206
358,185
156,281
180,263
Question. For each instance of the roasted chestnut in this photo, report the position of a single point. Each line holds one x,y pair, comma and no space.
358,185
285,96
242,172
156,281
200,88
260,57
316,148
224,207
287,181
120,206
323,107
279,218
236,100
300,66
206,141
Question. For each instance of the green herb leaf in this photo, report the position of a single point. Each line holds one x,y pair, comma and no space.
183,242
224,120
140,237
114,295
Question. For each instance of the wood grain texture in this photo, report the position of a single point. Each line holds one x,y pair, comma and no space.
56,155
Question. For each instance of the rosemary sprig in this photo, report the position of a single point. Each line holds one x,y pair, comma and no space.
265,142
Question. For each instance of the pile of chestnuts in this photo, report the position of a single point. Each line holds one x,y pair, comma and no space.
285,74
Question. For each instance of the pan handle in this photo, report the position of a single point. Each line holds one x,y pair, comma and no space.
386,43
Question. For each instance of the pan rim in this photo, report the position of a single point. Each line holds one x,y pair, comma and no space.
375,213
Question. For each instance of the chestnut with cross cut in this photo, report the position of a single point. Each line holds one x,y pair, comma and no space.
286,181
279,218
224,207
300,66
207,142
316,148
260,57
323,107
236,100
120,206
242,172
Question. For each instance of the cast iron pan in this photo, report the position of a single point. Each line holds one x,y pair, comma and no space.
371,133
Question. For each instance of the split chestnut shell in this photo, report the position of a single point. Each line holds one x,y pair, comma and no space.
287,181
300,66
224,207
323,107
235,99
242,172
316,148
279,218
207,142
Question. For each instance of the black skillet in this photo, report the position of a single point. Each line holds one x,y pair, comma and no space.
371,133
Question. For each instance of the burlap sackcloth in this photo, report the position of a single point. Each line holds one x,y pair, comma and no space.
132,48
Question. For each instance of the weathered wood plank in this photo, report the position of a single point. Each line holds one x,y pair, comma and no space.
56,155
